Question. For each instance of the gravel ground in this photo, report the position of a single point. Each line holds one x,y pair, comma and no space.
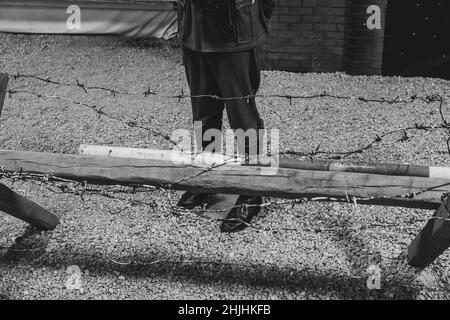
324,255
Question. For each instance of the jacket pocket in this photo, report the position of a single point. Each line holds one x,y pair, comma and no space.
249,25
181,18
265,20
267,7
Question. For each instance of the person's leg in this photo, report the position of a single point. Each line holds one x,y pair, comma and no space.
238,75
202,82
208,111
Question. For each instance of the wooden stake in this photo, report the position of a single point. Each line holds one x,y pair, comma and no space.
3,86
433,240
17,205
26,210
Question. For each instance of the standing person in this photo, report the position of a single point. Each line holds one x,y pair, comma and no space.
220,40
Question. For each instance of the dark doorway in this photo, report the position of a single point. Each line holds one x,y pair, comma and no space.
417,38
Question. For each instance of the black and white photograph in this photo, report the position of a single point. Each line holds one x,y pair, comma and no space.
224,155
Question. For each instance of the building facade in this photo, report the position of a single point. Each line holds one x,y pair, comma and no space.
391,37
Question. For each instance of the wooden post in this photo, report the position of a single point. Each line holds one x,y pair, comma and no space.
3,86
26,210
433,240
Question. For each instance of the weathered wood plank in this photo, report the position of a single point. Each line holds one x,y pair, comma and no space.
276,182
26,210
201,159
309,164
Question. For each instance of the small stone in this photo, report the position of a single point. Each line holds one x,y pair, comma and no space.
427,279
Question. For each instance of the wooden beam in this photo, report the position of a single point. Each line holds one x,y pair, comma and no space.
265,181
3,86
200,159
26,210
310,164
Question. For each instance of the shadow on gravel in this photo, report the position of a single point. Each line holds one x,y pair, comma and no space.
31,244
392,268
295,281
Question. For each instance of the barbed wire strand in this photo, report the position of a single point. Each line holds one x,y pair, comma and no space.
335,155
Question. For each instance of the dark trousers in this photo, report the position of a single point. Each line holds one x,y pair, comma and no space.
226,75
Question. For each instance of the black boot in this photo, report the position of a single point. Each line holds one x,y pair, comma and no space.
191,200
241,215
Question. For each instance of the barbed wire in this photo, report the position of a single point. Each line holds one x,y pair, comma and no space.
290,97
335,155
95,108
444,125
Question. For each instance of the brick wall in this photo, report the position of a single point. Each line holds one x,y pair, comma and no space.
324,36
